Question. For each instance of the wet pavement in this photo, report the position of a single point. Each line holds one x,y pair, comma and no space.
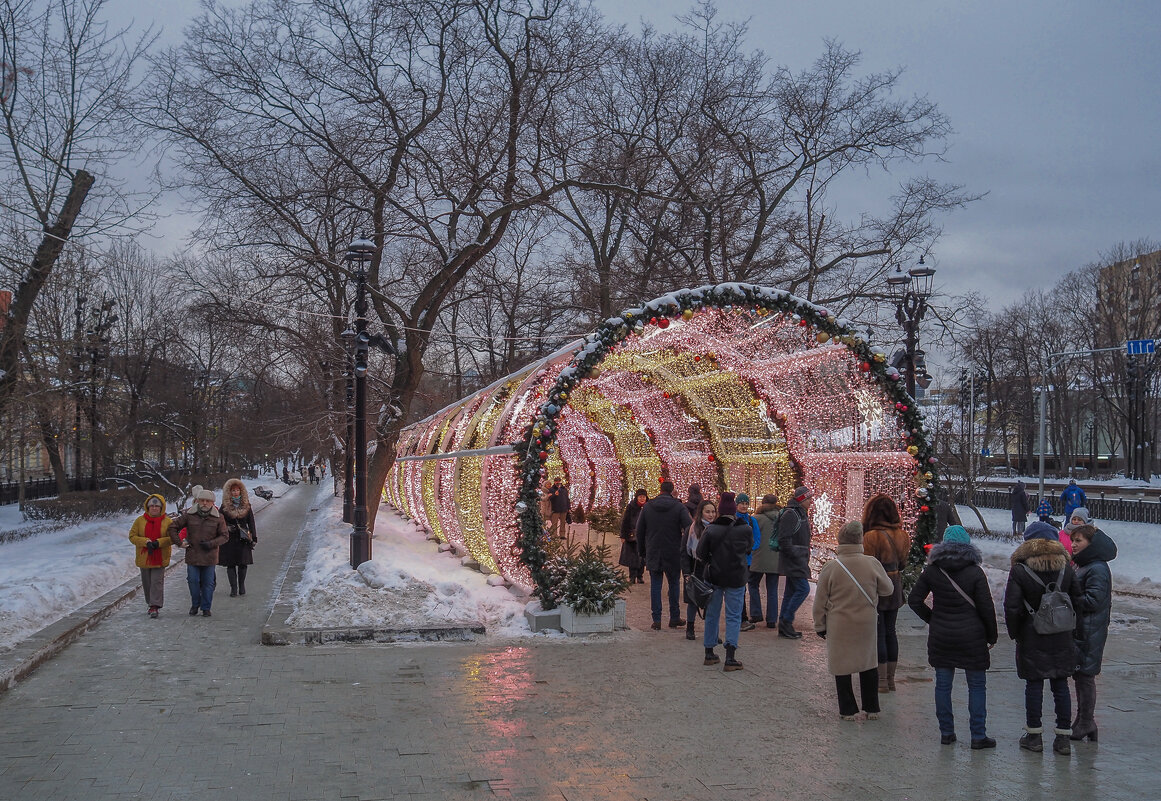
182,708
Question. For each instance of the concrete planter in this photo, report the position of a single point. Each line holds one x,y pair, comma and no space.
573,623
619,621
540,619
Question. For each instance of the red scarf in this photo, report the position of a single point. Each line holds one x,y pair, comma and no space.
153,532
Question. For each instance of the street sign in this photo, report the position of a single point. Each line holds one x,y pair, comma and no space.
1138,347
985,452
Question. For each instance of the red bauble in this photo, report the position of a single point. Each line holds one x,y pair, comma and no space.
697,358
653,320
544,456
864,367
925,508
663,322
666,394
710,457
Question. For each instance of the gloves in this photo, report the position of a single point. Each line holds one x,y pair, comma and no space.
206,545
152,545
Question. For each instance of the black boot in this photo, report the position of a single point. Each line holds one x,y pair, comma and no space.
731,662
786,630
241,579
232,575
1085,724
689,635
711,657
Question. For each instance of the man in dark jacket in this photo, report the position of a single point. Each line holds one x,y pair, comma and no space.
205,530
1072,498
559,504
1020,505
794,559
694,499
725,548
945,515
659,528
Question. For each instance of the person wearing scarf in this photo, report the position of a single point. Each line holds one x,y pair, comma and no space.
150,534
238,552
205,532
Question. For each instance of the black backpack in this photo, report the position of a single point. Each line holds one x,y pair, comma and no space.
1055,614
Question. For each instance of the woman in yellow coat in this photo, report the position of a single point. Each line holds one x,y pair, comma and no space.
150,533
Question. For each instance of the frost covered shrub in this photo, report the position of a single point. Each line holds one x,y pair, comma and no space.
85,505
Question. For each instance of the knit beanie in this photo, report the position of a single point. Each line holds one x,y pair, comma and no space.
957,534
742,498
802,493
727,505
1040,531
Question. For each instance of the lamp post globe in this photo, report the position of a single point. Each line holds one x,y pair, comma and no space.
910,292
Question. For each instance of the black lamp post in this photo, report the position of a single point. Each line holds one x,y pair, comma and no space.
359,255
348,412
910,292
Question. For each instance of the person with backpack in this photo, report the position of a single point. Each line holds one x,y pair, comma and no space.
961,630
1092,550
764,562
886,540
1072,497
1039,611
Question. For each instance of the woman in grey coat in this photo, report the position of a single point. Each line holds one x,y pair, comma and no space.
1092,551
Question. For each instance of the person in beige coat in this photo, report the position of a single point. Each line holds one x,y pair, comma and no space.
846,616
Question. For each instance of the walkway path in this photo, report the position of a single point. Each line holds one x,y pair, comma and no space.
185,708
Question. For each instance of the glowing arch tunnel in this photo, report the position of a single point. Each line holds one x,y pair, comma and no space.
733,386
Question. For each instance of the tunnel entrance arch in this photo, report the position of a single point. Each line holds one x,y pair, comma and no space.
733,386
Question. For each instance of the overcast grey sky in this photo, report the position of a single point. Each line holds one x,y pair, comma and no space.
1056,106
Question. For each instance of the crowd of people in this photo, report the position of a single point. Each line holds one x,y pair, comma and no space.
212,536
1057,602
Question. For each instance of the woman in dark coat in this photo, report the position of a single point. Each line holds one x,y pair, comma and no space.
1020,505
885,539
961,630
1092,550
724,547
1041,656
238,552
629,556
703,514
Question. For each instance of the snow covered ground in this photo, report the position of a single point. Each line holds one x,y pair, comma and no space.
409,583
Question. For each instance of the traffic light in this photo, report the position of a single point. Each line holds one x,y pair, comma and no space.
1131,370
964,388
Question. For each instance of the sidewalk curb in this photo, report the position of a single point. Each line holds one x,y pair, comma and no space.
278,632
42,646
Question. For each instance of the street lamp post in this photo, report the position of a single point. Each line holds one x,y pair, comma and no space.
348,412
910,292
359,255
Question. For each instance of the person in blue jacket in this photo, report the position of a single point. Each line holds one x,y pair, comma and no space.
1072,497
743,502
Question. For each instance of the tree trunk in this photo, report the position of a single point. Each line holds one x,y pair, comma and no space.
51,245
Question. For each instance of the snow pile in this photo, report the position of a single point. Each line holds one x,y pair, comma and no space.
409,583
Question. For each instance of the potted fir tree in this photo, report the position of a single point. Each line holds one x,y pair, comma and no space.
590,591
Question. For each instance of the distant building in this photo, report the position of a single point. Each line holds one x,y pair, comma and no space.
1131,291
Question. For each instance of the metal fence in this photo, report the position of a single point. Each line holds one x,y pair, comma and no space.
36,488
1127,510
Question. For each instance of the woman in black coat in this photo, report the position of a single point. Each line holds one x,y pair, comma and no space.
724,547
1041,656
238,552
1092,550
962,629
630,558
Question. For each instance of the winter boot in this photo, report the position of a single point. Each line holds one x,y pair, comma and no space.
1085,725
711,657
689,635
232,575
786,629
1060,744
1033,741
891,675
731,662
883,686
241,579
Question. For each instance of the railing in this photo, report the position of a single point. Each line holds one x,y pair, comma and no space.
1127,510
37,488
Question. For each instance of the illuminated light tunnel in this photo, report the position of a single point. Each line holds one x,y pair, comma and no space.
733,386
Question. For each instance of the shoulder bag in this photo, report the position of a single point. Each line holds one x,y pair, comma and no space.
857,584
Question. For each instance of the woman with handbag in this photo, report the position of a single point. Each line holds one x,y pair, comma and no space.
961,629
845,615
725,547
630,558
704,513
886,540
238,552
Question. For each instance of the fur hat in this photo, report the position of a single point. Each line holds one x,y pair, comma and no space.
957,534
1040,531
727,505
204,495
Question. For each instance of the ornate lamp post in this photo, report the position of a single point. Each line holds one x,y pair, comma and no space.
359,255
348,410
910,292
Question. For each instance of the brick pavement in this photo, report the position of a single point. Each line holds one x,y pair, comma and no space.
183,708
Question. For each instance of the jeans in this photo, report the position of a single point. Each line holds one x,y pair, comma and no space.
868,689
888,638
1034,702
734,598
977,682
796,591
674,578
201,582
771,597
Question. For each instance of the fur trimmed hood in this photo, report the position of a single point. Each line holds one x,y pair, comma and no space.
948,554
1043,556
227,505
